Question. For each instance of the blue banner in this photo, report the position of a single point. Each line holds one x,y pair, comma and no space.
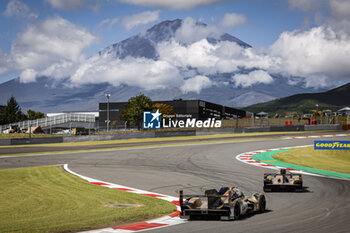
151,120
332,145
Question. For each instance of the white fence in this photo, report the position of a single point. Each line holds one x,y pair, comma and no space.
52,121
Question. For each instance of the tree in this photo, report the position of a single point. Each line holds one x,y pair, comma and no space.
114,123
164,109
1,115
12,112
32,115
133,112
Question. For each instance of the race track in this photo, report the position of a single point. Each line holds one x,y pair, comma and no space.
325,207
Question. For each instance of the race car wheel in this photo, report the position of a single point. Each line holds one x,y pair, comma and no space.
299,188
237,211
267,181
262,203
299,182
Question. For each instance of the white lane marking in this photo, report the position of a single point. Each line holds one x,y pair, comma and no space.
126,149
319,136
172,219
158,147
244,159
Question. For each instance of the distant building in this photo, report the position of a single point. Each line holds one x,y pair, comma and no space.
198,109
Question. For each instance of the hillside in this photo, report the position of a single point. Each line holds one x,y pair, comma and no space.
302,103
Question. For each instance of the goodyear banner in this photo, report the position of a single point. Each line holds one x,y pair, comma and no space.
332,145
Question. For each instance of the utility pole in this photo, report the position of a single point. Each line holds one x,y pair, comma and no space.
107,121
30,132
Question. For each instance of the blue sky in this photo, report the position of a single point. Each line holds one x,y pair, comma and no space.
260,23
265,19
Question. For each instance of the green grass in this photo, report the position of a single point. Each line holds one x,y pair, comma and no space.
48,199
330,160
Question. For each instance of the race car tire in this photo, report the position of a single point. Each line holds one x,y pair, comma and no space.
262,203
299,182
267,181
236,210
300,186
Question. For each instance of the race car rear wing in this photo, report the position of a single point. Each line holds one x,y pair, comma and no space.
274,174
287,175
207,206
210,196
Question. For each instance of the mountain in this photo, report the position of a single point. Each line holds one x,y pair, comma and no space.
50,95
334,100
143,44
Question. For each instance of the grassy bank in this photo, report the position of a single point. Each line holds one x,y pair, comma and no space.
47,199
330,160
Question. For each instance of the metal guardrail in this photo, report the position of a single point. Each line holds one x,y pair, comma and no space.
52,121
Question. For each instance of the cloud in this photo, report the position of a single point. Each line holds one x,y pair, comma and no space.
140,72
232,20
305,5
339,18
313,10
199,55
196,84
109,21
74,4
52,41
340,8
19,9
209,59
171,4
189,62
192,31
333,13
320,51
146,17
28,75
254,77
178,66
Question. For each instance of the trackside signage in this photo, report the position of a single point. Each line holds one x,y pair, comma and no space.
152,120
332,145
191,123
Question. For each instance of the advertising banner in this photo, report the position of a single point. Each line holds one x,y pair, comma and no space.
332,145
152,120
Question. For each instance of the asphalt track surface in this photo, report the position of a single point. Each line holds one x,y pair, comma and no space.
19,149
324,207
